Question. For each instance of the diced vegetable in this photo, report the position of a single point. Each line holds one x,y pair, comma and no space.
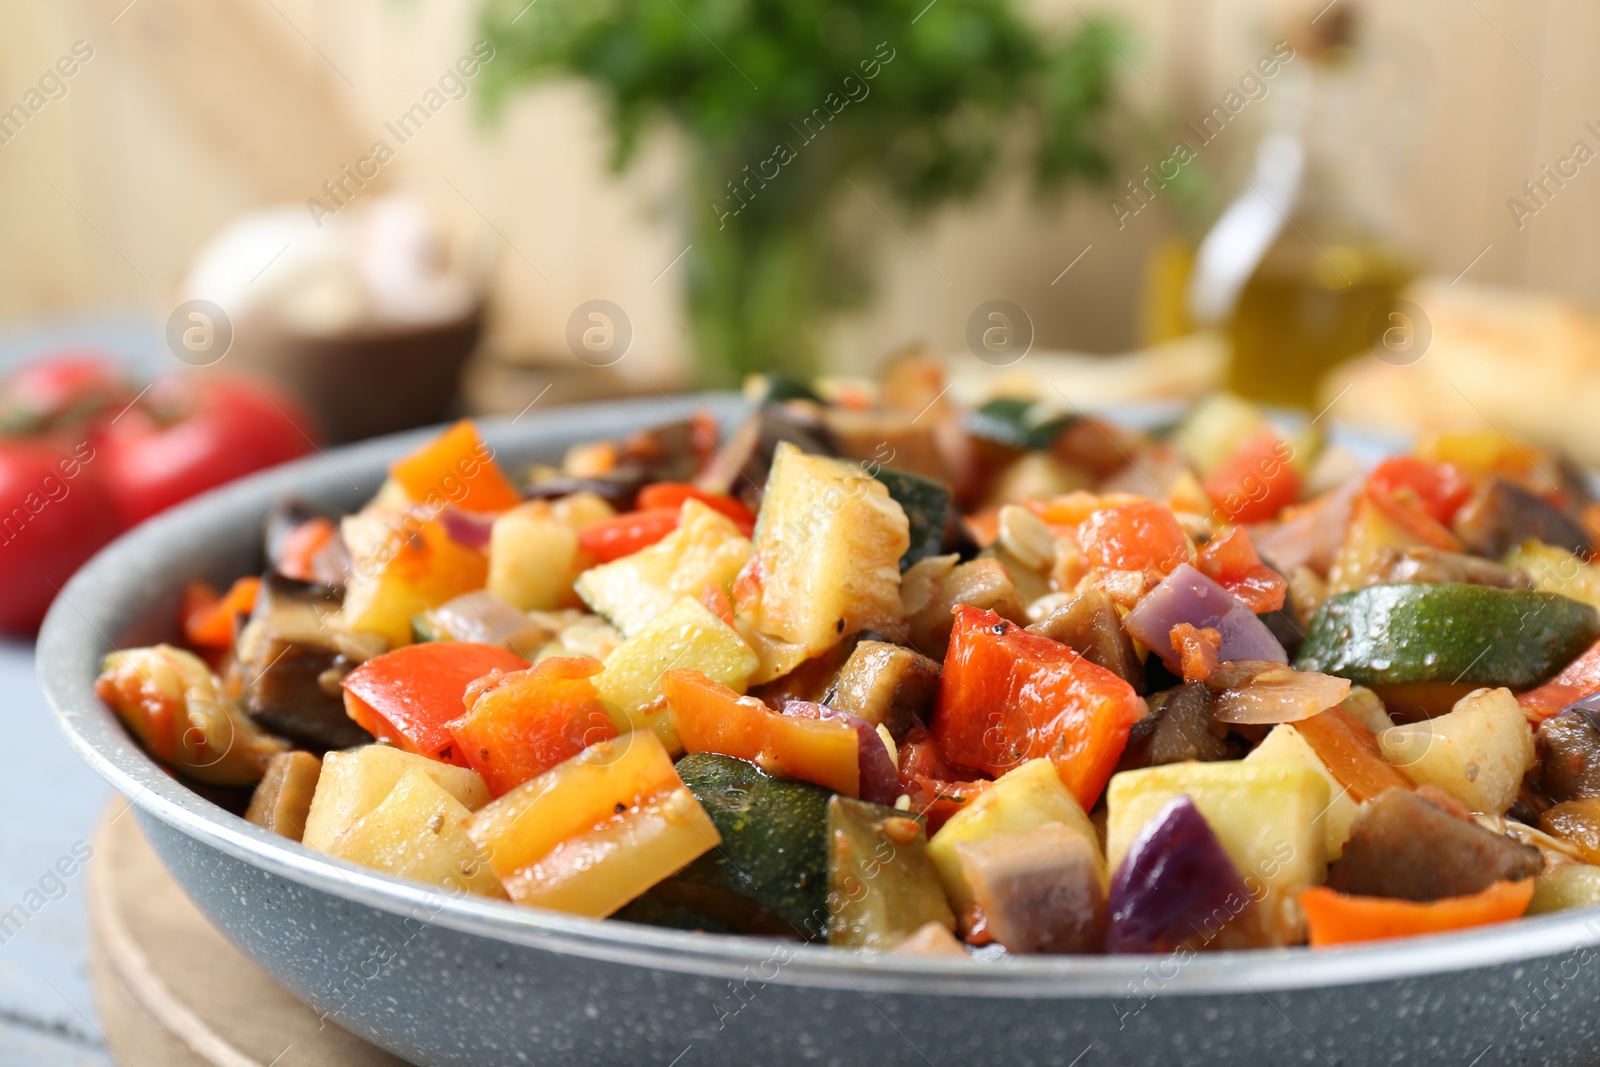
1502,515
879,782
1279,694
417,832
931,940
401,566
1286,744
1461,634
521,724
208,621
282,800
1176,885
571,799
1439,489
771,873
928,512
1407,847
1263,813
1577,681
826,559
533,557
456,468
1091,625
888,686
1351,753
612,539
1571,885
1477,753
881,885
1180,726
1016,423
1197,651
685,635
705,549
1040,890
482,617
1140,535
1556,570
288,651
596,872
408,697
1028,797
1576,822
1379,527
1257,480
710,717
1008,696
661,496
1188,596
1568,747
1231,561
353,783
171,701
1214,428
1336,919
933,588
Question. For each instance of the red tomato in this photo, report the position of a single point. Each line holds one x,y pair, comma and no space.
663,495
1008,696
60,390
936,789
1231,561
521,724
611,539
1439,489
54,515
217,430
411,696
1140,535
1257,481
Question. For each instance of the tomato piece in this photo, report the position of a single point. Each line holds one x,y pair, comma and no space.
1351,754
1257,481
662,495
410,696
1336,918
456,468
521,724
611,539
1232,562
1578,679
208,618
1197,649
710,717
1139,535
936,789
1008,696
1437,489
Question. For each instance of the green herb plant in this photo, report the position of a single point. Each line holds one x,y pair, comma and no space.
789,107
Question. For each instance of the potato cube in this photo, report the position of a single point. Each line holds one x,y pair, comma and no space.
419,832
687,636
1285,744
705,549
353,783
1477,753
532,553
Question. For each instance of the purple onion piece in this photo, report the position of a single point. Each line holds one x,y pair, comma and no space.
467,529
1188,596
880,783
1175,884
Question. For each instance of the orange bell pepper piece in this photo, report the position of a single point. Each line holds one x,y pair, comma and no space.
1336,918
208,618
519,725
411,695
611,539
456,468
710,717
1351,754
662,495
1578,679
1008,696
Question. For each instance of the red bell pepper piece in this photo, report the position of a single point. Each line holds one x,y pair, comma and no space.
1008,696
611,539
1578,679
519,725
1139,535
1257,481
456,468
1335,918
1437,489
410,696
1231,561
662,495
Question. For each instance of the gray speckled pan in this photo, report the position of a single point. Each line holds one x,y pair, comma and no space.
450,981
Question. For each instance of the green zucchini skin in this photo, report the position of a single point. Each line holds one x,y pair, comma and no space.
927,506
1023,425
770,875
881,891
1471,634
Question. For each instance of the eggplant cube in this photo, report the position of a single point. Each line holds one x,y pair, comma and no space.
882,886
1040,890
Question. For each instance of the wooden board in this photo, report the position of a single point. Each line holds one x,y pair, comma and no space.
171,990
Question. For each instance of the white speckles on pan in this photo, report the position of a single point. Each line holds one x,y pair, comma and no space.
465,982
